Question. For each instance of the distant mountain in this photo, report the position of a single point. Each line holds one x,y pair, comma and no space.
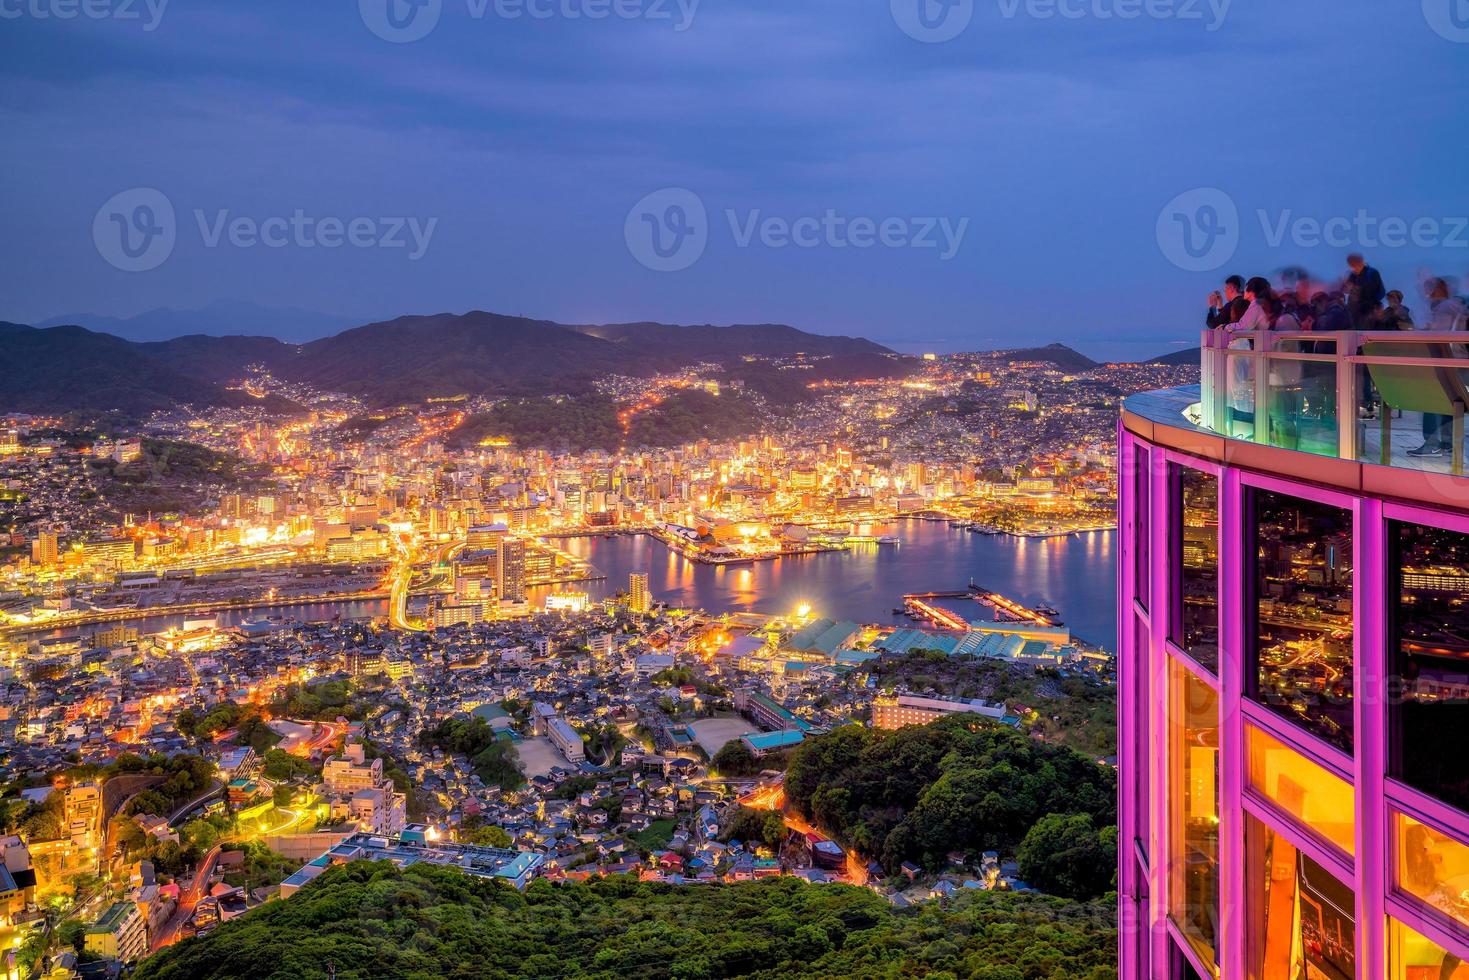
416,357
447,354
66,369
1188,357
1058,354
223,318
707,341
411,358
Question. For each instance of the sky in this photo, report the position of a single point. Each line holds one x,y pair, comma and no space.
933,174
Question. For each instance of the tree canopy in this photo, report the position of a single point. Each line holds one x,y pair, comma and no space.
494,759
376,920
958,784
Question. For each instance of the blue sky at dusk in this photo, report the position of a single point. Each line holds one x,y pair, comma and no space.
1054,141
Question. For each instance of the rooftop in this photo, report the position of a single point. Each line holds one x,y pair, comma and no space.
116,913
774,740
489,862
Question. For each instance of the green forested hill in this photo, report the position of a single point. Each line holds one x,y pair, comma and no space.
961,784
369,920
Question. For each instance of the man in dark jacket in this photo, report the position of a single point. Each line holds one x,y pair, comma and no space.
1228,309
1329,313
1366,290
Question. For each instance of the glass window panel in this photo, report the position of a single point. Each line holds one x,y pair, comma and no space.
1429,660
1433,867
1324,803
1416,957
1194,810
1182,968
1303,614
1194,624
1302,919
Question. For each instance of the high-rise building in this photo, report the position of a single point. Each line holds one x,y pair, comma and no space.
639,599
82,812
510,569
46,549
1294,669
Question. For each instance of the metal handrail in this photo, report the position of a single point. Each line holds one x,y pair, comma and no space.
1218,353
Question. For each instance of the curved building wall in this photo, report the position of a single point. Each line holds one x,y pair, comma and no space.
1293,714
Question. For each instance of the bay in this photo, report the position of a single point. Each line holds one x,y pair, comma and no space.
1075,573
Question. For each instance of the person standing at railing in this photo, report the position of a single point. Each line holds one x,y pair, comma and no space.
1281,314
1446,313
1366,292
1328,313
1257,295
1395,316
1227,309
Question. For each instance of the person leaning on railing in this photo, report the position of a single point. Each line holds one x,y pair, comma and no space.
1257,296
1446,313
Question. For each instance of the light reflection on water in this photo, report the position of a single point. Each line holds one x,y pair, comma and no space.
1075,573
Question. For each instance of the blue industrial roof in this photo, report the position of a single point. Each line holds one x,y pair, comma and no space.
774,740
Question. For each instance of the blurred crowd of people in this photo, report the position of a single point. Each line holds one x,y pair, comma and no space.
1360,301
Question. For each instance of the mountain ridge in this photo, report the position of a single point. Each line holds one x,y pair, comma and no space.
68,367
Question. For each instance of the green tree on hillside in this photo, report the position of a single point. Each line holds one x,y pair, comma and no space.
1070,856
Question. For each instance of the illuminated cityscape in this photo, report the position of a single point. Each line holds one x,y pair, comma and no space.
359,621
666,490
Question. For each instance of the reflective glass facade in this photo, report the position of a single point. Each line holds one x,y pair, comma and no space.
1301,605
1294,673
1195,551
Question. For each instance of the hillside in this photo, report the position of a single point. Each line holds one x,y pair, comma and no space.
955,785
585,422
69,368
1188,357
1070,711
706,341
366,920
1060,355
416,357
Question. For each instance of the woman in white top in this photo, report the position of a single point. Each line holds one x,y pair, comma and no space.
1242,377
1257,316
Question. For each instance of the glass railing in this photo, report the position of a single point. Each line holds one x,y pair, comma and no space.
1397,398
